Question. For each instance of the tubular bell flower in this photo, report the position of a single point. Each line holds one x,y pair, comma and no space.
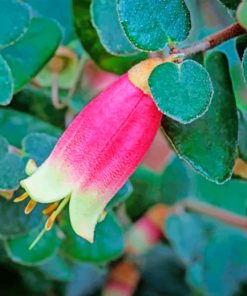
97,153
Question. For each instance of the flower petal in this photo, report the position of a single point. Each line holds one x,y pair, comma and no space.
85,209
49,183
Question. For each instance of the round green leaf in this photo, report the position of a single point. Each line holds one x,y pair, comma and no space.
90,41
150,24
11,171
14,222
245,64
181,91
209,144
15,17
63,15
38,146
6,83
106,22
242,14
17,248
108,243
27,56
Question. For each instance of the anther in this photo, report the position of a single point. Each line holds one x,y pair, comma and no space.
21,197
50,208
49,223
30,206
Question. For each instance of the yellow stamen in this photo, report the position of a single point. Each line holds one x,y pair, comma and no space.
31,167
21,197
30,206
50,208
49,223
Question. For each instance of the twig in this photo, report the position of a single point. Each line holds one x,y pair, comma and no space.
211,41
214,212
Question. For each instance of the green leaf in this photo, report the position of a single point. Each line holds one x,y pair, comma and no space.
162,273
232,4
188,234
3,146
15,18
14,222
90,41
181,91
57,269
27,56
225,258
146,188
37,102
11,171
22,124
11,168
6,83
150,24
175,181
209,143
38,146
63,15
245,64
106,22
242,135
108,243
121,195
17,248
222,195
242,14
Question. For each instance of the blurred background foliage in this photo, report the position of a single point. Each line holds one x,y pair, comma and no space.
153,241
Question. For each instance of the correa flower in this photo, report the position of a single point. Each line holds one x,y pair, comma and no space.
97,153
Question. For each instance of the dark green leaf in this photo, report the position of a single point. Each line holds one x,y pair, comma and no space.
245,64
242,14
63,15
241,45
37,102
232,4
15,17
6,83
150,24
222,195
175,182
38,146
242,135
146,192
22,124
209,143
106,22
27,56
18,251
90,41
108,243
13,221
162,274
181,91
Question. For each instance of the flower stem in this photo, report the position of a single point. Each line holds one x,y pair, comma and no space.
211,41
214,212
